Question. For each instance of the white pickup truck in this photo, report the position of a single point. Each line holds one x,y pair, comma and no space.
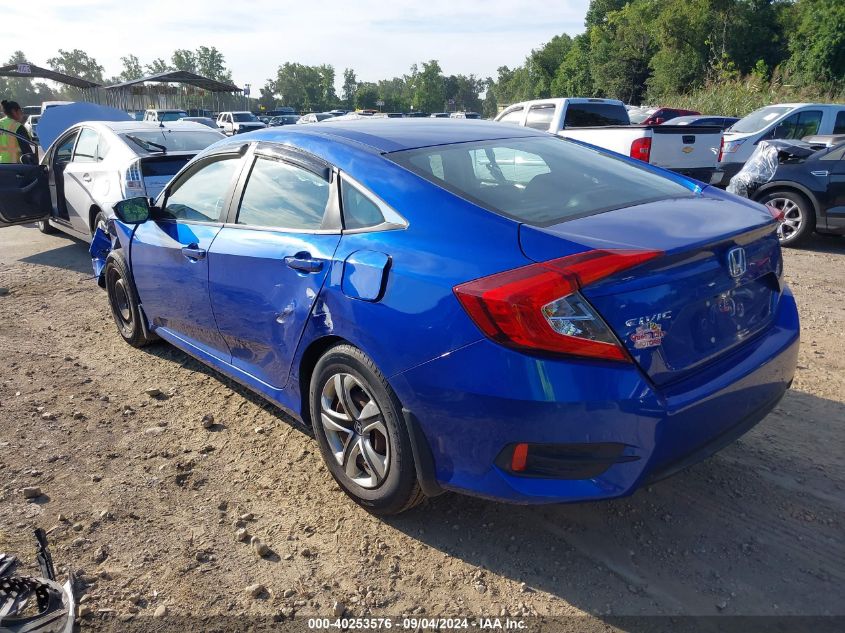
692,151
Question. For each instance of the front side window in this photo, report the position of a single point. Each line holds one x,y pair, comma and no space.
540,117
540,180
283,196
86,147
201,196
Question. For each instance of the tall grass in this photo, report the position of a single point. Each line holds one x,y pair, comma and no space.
738,97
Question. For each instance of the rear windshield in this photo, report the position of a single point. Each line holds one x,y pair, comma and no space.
539,180
192,141
759,119
593,114
163,166
171,115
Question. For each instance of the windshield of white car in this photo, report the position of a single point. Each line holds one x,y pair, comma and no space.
172,141
759,119
243,117
539,180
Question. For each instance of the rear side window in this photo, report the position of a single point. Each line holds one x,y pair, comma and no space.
86,147
359,211
513,116
201,196
540,116
593,114
839,125
799,125
283,196
540,180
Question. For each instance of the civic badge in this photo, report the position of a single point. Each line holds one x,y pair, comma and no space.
736,262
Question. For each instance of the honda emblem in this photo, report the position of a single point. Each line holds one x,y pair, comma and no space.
737,264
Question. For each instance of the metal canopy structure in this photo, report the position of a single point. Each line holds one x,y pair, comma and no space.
180,77
193,91
31,71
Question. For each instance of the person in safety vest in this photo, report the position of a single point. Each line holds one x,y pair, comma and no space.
12,148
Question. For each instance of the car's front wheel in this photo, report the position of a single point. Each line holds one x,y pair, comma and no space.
799,218
123,301
358,423
45,227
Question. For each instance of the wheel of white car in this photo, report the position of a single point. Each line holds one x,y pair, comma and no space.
799,217
358,424
45,227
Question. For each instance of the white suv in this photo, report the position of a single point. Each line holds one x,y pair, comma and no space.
231,123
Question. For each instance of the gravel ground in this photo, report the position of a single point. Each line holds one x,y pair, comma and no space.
145,502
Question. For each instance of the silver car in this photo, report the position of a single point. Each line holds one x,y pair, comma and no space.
95,164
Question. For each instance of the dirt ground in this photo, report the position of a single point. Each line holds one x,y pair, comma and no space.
145,502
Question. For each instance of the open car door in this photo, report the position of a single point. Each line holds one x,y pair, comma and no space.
24,194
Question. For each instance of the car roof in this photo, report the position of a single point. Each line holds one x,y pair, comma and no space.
393,135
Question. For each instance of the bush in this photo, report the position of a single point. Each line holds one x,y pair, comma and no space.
738,97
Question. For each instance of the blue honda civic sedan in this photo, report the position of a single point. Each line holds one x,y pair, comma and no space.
465,306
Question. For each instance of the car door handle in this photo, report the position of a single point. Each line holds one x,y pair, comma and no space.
304,263
86,177
193,252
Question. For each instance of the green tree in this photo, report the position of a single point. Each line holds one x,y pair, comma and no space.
350,86
429,88
212,64
328,96
817,41
621,50
131,68
573,78
78,64
267,100
366,96
157,66
183,59
489,107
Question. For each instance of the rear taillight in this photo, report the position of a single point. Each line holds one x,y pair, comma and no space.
641,149
539,307
133,181
721,149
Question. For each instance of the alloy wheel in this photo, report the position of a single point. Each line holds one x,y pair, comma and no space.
793,217
355,430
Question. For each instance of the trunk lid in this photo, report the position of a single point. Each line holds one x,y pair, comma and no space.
696,302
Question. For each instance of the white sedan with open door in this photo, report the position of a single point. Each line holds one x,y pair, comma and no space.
90,166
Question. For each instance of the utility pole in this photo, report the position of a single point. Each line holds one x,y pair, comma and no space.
246,96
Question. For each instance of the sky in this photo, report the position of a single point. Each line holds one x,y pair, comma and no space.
377,38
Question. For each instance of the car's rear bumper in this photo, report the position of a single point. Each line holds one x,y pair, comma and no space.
474,402
723,173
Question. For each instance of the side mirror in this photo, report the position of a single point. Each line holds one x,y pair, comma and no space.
133,210
29,159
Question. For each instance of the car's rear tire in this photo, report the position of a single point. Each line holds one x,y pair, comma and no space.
358,423
45,227
123,300
799,220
